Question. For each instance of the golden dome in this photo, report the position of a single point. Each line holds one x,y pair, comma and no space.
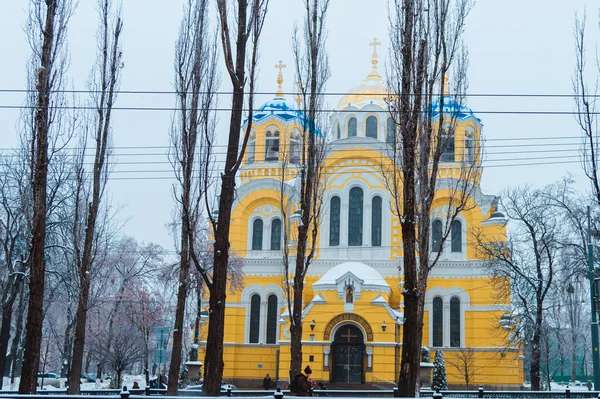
372,90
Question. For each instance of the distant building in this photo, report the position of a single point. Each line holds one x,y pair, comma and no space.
353,309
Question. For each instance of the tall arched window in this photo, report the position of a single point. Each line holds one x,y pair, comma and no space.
436,235
438,322
339,132
272,319
456,236
469,146
276,235
294,150
355,217
447,144
250,149
254,319
455,322
272,145
371,126
376,221
391,131
334,222
257,234
352,127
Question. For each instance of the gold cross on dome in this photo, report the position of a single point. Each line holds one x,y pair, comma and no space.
280,65
375,43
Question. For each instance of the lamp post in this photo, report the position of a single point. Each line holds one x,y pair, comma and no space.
593,297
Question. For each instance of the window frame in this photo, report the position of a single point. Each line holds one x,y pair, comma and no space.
355,126
254,243
334,225
374,125
277,242
271,323
355,221
254,327
376,221
437,323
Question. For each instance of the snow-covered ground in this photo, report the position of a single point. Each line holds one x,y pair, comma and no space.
126,380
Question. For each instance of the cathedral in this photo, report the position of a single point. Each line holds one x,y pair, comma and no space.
353,309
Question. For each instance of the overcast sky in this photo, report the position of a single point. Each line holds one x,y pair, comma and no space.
515,47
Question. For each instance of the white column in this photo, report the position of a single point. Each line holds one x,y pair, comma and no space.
446,315
344,220
369,359
367,219
326,360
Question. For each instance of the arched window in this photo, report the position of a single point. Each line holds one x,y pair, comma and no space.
250,151
355,217
339,132
334,222
254,319
272,319
352,127
436,235
456,236
455,322
447,144
438,322
371,126
276,235
257,234
272,145
469,146
390,137
376,221
294,151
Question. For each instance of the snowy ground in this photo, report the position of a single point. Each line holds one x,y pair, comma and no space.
126,380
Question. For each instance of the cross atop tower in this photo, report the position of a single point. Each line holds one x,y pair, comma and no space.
280,65
374,61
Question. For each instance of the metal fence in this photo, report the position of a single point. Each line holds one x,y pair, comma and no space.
279,394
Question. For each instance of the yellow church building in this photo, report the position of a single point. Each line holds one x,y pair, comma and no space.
353,310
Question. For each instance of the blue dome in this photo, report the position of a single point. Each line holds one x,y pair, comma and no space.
279,107
452,108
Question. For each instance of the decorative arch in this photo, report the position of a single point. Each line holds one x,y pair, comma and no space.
343,319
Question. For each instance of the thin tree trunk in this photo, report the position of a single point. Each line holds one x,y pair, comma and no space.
536,349
110,62
7,311
14,348
33,338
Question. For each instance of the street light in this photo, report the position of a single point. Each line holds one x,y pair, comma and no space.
383,326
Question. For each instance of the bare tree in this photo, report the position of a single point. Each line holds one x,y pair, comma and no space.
586,105
191,133
47,26
306,198
425,45
526,266
241,23
105,81
14,200
464,360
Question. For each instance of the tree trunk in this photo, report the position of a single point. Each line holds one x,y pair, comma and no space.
213,360
109,65
15,346
7,310
536,350
184,270
37,265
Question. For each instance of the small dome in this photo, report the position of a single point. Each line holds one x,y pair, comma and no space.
452,107
277,106
497,214
372,89
369,277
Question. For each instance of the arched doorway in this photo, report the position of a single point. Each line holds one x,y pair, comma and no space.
348,349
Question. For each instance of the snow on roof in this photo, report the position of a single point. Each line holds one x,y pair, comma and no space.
369,276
